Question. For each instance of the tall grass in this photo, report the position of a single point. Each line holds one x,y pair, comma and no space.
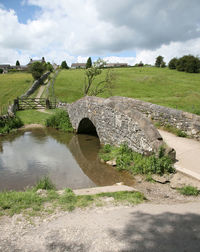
45,184
136,163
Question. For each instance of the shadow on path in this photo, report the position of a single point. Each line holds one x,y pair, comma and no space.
158,233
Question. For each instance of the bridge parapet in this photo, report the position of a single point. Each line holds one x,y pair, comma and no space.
116,122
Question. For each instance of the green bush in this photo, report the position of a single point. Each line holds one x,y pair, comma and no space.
10,123
45,183
188,63
189,191
1,70
137,163
173,63
13,70
37,69
60,120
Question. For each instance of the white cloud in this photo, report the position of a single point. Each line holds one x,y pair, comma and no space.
114,59
71,30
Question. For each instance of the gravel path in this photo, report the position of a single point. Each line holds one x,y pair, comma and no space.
146,227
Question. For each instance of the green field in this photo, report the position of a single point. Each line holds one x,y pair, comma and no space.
165,87
13,85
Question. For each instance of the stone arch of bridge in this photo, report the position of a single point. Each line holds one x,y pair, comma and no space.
86,126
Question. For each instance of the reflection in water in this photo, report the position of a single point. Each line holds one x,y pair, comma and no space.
69,160
85,149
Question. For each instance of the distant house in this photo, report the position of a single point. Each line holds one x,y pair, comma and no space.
116,65
5,68
78,65
38,60
55,66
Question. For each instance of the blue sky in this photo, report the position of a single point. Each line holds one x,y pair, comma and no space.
22,9
126,31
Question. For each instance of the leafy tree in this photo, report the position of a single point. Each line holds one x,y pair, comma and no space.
89,63
37,69
1,70
97,87
163,64
173,63
17,63
64,65
159,61
140,64
189,63
49,67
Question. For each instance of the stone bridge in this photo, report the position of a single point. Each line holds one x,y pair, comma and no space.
115,121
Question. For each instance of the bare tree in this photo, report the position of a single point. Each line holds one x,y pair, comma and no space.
106,84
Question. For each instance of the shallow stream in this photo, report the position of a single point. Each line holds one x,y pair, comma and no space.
69,160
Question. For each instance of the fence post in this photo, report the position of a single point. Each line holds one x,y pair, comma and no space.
47,104
16,104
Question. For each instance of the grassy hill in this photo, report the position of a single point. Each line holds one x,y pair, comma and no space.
165,87
13,85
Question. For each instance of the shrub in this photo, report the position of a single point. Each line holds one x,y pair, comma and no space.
37,69
45,184
189,191
137,163
173,63
10,123
1,70
159,61
13,70
188,63
49,67
163,64
60,120
64,65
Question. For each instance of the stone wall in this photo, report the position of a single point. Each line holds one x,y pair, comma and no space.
187,122
35,85
11,112
116,122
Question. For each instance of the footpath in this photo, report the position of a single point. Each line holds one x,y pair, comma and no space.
187,153
146,227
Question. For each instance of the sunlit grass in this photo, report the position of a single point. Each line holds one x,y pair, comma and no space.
13,85
156,85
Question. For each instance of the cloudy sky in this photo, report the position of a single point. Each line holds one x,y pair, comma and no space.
116,30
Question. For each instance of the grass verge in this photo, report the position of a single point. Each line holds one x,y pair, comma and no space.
33,116
32,203
171,129
189,191
136,163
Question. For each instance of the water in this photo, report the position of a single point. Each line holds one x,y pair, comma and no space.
69,160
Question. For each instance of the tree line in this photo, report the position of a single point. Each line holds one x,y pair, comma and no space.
187,63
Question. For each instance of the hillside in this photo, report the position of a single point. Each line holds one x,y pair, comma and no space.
157,85
13,85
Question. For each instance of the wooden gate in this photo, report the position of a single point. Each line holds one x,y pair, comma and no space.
35,103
